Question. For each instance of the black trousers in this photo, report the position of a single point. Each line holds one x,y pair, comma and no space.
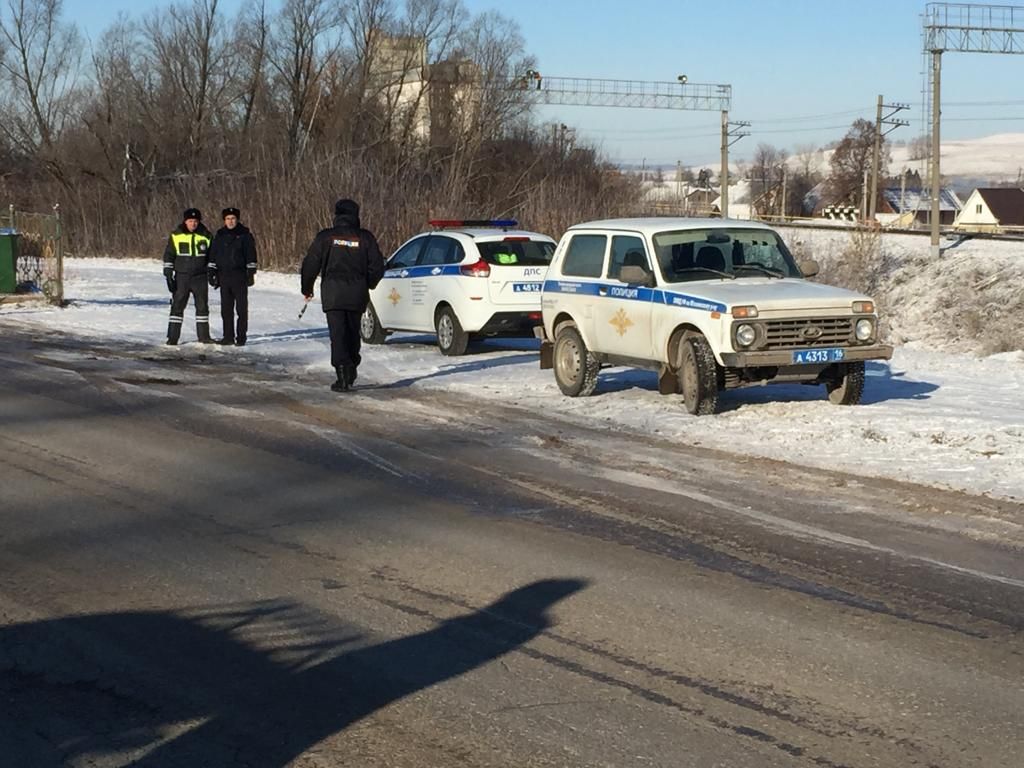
345,340
234,297
194,285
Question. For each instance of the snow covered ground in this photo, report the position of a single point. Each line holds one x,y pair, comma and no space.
948,420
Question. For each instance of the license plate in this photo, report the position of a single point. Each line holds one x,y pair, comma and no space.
526,287
829,355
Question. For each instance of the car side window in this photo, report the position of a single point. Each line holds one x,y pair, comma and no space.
406,255
456,254
627,251
585,256
437,251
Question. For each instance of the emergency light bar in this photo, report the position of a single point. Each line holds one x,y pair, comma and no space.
488,223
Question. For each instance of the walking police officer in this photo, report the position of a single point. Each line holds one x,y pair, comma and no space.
185,260
349,263
233,269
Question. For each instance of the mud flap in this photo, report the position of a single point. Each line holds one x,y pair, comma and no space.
668,381
547,355
547,349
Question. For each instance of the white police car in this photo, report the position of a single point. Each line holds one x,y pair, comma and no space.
711,304
464,279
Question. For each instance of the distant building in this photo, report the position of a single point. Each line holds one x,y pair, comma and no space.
432,103
903,207
992,209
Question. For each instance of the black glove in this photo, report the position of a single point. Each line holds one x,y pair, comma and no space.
172,284
214,280
251,278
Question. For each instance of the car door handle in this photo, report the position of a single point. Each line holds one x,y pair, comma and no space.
602,291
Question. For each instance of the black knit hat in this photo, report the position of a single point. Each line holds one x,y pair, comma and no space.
346,206
230,212
192,213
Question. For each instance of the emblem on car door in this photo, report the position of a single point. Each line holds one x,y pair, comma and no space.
621,322
811,332
395,297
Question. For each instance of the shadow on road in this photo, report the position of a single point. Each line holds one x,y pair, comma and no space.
252,685
882,384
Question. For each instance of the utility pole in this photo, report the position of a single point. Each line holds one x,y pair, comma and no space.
903,194
875,161
936,175
782,207
881,120
731,133
723,177
864,194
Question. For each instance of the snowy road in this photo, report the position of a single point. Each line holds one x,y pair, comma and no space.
204,562
950,421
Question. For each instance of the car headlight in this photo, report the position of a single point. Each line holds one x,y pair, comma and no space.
865,329
746,335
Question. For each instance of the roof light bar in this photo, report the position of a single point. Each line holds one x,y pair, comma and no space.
488,223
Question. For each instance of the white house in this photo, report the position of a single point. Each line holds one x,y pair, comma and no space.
992,209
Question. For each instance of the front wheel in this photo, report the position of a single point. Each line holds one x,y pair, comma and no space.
451,339
575,366
847,386
698,376
370,329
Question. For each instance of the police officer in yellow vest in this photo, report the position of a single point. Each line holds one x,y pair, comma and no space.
185,264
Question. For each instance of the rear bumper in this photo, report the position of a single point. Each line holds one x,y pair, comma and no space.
511,324
784,357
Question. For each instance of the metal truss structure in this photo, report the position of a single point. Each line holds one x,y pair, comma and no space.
961,28
970,28
637,94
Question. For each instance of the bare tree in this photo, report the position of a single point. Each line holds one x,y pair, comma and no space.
252,41
190,53
304,43
40,62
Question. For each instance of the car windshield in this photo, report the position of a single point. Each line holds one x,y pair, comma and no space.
517,253
711,254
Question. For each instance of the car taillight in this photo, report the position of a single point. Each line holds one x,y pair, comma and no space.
477,269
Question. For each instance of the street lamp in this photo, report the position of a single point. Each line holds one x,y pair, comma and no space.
682,79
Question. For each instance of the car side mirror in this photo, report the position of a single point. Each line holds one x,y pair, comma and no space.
633,275
809,267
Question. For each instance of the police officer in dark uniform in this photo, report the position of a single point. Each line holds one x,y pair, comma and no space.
349,263
185,260
232,268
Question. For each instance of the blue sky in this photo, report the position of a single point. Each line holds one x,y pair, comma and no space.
801,70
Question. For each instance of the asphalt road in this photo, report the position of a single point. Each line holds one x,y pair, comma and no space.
204,564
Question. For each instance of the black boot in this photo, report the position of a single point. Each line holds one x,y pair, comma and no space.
350,374
341,385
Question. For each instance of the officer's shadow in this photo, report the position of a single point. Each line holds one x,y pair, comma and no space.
118,684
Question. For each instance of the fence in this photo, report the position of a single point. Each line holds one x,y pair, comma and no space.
40,263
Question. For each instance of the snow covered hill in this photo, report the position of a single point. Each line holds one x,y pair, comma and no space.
938,414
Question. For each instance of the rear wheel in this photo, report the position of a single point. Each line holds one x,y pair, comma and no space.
575,366
847,386
698,375
451,339
370,329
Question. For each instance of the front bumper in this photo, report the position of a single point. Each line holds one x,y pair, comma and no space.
784,357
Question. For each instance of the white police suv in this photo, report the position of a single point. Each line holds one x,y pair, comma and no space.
711,304
464,279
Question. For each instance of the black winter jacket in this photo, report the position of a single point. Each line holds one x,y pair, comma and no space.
233,250
348,260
